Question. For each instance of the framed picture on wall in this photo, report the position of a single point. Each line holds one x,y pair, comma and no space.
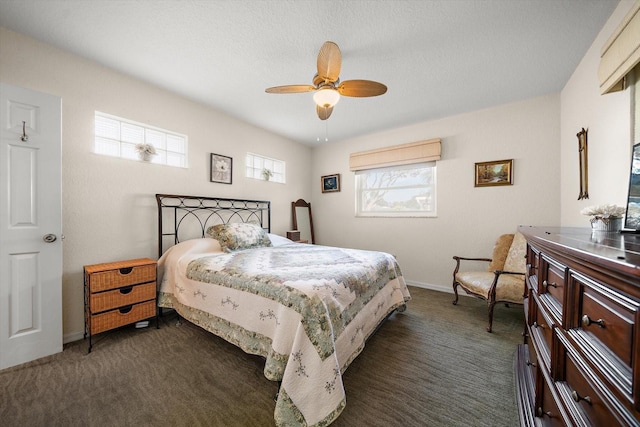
221,168
632,217
498,172
330,183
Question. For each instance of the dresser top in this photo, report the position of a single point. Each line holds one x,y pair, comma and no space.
613,250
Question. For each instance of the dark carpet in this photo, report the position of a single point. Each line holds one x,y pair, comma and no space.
433,365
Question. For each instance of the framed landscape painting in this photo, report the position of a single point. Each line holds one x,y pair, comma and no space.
498,172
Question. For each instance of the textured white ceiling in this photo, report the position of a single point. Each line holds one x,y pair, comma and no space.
438,58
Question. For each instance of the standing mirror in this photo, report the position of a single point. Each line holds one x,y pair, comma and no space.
301,213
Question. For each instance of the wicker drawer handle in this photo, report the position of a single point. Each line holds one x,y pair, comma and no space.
547,284
125,310
586,321
578,398
126,290
126,270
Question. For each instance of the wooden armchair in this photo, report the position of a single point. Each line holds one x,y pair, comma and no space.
503,281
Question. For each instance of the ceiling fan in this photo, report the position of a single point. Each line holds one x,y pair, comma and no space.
327,85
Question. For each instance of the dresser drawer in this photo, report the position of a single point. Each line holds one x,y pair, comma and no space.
533,263
604,328
551,283
127,295
541,332
606,316
548,412
117,277
579,394
122,316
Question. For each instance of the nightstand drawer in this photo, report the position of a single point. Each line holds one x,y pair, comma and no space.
127,295
122,316
119,275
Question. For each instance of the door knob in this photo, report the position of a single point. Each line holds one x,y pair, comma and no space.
49,238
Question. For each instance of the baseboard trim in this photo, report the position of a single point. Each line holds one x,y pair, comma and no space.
75,336
439,288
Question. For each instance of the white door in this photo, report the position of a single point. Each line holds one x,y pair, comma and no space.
30,225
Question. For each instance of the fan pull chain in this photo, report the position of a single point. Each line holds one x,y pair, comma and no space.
326,132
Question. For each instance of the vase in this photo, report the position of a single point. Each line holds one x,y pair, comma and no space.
606,224
144,156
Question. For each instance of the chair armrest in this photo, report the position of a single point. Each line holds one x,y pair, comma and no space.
459,258
472,259
499,272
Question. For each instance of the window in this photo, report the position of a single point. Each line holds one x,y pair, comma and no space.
118,137
260,167
402,191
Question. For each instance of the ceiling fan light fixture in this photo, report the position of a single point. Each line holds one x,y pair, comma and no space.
326,97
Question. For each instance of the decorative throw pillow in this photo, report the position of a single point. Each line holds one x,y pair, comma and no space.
238,236
516,261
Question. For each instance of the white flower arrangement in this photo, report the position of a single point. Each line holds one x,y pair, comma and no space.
145,149
267,174
604,212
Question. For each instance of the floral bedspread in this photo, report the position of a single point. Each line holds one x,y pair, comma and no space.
307,309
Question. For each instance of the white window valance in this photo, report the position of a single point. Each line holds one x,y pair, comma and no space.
621,53
405,154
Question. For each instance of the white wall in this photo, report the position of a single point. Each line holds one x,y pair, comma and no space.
109,210
469,219
608,119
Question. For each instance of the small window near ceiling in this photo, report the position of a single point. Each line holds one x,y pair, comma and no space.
118,137
264,168
397,191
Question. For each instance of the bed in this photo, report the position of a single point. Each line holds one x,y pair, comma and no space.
306,309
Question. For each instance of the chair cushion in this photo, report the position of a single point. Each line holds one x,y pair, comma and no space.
510,287
516,261
500,251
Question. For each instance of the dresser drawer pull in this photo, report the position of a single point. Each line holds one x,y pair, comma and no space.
125,310
126,290
537,325
547,284
578,398
530,363
541,412
126,270
586,321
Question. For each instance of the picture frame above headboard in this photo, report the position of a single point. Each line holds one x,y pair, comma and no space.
182,218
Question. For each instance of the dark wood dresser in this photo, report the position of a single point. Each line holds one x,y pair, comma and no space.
580,361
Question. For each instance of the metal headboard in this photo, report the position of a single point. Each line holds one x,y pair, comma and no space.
188,217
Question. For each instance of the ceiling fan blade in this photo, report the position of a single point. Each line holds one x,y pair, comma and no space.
329,62
324,112
361,88
290,89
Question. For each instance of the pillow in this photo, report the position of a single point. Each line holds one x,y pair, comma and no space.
279,240
516,261
238,236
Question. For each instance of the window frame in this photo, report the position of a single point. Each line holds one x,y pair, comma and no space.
277,176
151,135
432,188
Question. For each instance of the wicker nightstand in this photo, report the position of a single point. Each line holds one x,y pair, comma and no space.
118,294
